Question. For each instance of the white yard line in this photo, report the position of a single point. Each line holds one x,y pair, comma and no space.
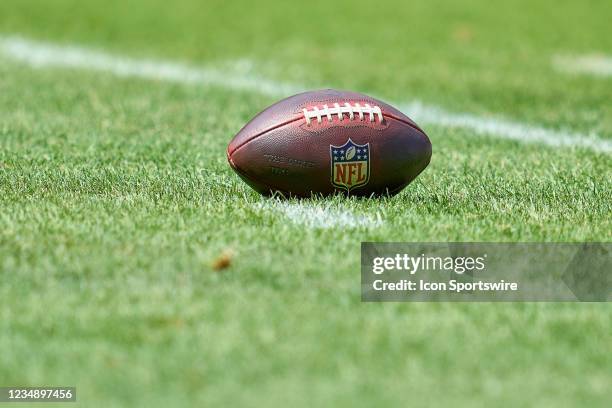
595,64
40,54
504,128
319,216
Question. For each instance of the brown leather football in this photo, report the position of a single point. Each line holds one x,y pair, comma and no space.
329,141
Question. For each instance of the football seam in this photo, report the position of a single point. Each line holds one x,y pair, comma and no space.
263,132
229,153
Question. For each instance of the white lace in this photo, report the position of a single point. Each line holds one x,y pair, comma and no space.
347,108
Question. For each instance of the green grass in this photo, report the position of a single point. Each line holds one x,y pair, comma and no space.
116,198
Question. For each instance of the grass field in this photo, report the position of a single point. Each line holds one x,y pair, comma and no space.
116,200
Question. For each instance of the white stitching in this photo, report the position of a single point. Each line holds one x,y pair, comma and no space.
369,108
340,115
349,110
306,116
359,110
327,112
317,113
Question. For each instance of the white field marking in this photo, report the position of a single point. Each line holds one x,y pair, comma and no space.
594,64
40,54
323,216
505,129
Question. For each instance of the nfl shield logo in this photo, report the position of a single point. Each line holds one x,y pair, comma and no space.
350,165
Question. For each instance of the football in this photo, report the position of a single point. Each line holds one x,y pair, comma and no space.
325,142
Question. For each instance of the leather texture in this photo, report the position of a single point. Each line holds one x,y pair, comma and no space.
277,151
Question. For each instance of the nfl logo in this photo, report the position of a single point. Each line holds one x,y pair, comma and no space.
350,165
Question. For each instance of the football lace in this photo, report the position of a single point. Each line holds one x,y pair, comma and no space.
341,110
